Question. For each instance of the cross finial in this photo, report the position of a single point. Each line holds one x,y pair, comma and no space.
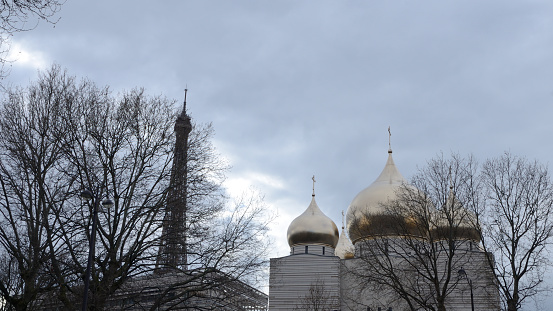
342,219
389,140
450,179
313,178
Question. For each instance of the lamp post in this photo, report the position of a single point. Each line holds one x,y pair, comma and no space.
89,195
463,274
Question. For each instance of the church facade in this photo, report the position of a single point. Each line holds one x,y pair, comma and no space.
387,262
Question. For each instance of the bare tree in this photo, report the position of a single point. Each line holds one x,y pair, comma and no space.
424,237
17,16
517,225
32,188
318,299
60,137
119,148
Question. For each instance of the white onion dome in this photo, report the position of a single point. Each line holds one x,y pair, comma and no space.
344,248
313,227
456,220
366,214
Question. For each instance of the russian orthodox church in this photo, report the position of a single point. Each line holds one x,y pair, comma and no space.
332,270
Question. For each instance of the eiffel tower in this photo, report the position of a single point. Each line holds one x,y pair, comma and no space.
172,252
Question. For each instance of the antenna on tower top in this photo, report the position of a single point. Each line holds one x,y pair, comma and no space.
184,106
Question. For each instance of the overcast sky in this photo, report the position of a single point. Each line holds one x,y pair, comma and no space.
302,88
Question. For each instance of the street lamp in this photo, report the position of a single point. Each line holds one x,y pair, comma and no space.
463,275
89,195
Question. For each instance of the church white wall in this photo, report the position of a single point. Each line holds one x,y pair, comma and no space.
357,294
292,276
485,292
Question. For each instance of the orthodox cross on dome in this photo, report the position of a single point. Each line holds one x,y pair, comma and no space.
313,178
342,219
389,140
450,179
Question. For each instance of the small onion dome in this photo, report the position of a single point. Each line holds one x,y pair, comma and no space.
455,221
313,227
344,249
366,214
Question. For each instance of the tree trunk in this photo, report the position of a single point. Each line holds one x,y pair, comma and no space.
441,306
511,305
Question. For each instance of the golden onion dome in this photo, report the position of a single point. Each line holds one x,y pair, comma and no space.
312,227
344,248
454,219
366,213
